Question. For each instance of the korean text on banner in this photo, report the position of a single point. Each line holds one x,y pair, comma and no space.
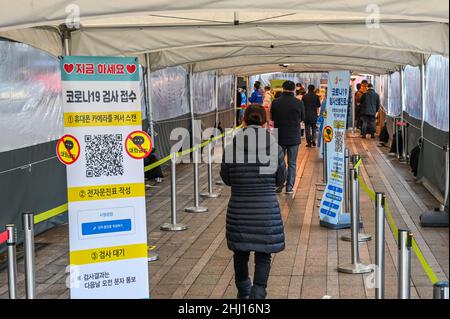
106,192
337,104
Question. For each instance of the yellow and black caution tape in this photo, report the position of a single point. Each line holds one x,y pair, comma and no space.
425,265
64,207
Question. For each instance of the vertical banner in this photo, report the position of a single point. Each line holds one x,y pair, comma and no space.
334,134
105,185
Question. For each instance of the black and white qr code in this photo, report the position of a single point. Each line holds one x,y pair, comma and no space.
338,141
104,155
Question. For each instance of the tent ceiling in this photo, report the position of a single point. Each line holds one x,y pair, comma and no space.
307,33
54,12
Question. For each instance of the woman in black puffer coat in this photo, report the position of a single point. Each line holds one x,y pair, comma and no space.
254,167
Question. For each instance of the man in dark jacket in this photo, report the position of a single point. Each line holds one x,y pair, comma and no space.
312,105
370,104
287,112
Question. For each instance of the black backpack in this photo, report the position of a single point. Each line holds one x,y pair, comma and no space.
414,157
384,134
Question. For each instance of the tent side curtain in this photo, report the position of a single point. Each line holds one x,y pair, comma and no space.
413,93
203,87
437,104
394,105
384,78
30,96
226,92
169,92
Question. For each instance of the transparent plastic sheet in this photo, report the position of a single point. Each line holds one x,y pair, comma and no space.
436,113
395,106
169,93
203,84
226,94
384,90
412,92
30,96
304,78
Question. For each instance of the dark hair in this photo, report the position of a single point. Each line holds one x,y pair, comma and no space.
267,88
364,82
257,85
288,85
358,86
277,94
370,86
255,114
311,88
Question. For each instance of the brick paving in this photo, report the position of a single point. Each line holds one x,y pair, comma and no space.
196,263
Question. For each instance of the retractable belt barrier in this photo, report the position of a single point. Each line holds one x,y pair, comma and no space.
64,207
425,265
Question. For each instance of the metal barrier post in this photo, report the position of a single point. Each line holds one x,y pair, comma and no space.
397,150
28,227
173,226
12,261
404,263
379,247
347,180
196,208
446,150
361,237
440,290
355,267
210,193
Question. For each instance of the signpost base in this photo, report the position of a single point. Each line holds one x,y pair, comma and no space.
196,209
434,218
355,269
361,237
210,195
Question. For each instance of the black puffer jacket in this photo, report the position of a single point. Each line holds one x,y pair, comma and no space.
253,217
312,104
370,103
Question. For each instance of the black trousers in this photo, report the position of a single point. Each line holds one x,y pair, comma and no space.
368,125
262,267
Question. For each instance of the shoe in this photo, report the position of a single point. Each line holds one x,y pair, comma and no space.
244,289
308,145
363,136
258,292
279,189
314,144
289,191
372,136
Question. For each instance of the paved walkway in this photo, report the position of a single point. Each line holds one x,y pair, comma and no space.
196,263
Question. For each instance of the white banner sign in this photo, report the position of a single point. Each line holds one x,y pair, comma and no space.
105,185
333,135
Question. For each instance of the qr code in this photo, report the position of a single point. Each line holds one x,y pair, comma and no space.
104,156
338,141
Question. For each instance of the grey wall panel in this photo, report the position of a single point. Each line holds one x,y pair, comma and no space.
163,130
226,118
413,131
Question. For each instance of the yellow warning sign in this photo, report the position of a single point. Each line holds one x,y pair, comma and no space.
68,149
327,134
138,144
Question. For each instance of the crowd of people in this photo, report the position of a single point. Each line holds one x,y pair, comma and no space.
367,105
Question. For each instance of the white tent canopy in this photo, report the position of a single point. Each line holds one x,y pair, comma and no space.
233,35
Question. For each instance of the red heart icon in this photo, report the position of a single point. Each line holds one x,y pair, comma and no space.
68,67
131,68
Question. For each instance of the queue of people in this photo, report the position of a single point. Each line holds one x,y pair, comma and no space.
367,105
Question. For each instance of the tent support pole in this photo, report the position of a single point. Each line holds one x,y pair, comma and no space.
422,98
66,40
149,98
402,118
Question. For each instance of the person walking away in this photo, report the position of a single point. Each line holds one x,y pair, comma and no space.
370,104
361,91
267,101
256,97
287,112
311,102
253,221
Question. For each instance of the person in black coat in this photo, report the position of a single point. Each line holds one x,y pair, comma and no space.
287,113
253,166
370,104
312,106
